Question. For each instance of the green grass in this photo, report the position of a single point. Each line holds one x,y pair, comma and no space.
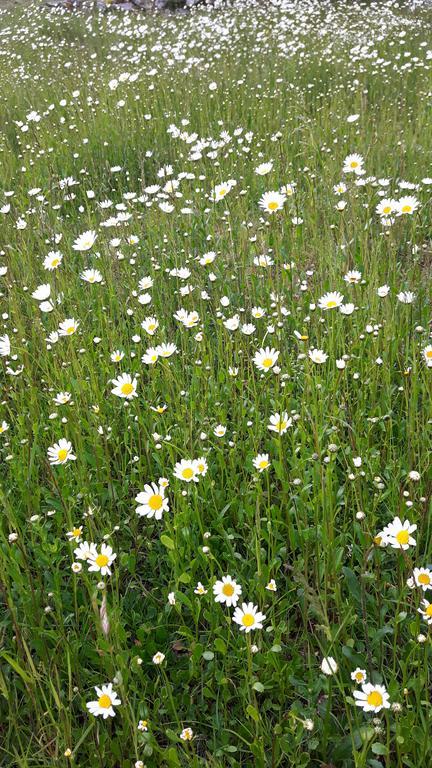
291,76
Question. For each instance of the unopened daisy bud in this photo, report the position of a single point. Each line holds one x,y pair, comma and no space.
308,724
396,707
254,648
360,516
329,666
12,537
421,638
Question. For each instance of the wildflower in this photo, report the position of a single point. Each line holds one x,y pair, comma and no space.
142,725
272,201
353,164
4,426
107,700
186,470
61,452
227,591
4,346
68,327
91,276
85,241
359,675
352,277
271,586
426,611
125,386
372,698
423,578
100,562
186,734
407,205
261,462
330,300
398,534
265,359
158,658
152,502
280,423
75,534
248,617
53,260
427,354
116,356
318,356
264,168
200,589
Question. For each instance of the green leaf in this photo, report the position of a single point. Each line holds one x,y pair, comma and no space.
379,749
167,541
252,712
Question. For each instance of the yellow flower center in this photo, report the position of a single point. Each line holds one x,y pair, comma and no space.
155,501
104,701
70,330
331,304
402,537
354,163
428,610
359,676
273,206
187,473
281,425
406,208
228,590
424,578
101,561
263,464
127,388
201,467
222,192
76,532
429,354
55,262
62,454
268,362
375,699
248,619
387,209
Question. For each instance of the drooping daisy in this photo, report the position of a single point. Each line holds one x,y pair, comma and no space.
68,327
423,578
280,422
85,241
372,698
248,617
266,358
200,589
398,534
125,386
261,462
106,701
186,470
42,292
426,611
272,202
318,356
406,297
264,168
359,676
227,591
100,562
166,350
152,502
4,426
61,452
330,300
85,550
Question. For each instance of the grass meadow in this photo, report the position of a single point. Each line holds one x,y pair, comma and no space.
216,361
